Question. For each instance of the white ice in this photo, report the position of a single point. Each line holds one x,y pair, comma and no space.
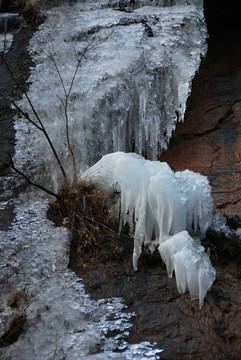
163,209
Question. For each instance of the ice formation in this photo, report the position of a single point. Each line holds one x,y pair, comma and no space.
163,210
130,89
219,225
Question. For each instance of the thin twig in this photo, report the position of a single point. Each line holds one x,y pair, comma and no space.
25,114
65,103
97,222
11,164
40,126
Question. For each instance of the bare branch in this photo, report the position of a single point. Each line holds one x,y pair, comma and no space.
93,43
65,104
52,58
40,126
25,114
11,164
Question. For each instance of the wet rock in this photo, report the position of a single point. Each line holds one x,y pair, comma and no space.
10,22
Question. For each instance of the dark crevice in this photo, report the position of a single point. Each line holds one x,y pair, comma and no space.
186,137
222,206
223,20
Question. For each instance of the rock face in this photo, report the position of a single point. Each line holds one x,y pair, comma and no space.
209,140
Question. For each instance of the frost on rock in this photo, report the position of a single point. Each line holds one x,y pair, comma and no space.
219,225
163,210
131,87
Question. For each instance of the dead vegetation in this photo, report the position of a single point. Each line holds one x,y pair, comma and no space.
15,329
85,202
87,212
18,323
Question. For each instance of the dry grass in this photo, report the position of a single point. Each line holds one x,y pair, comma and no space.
86,211
15,329
85,203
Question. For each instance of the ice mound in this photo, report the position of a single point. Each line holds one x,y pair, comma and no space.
163,210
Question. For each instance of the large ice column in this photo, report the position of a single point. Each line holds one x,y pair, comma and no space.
162,209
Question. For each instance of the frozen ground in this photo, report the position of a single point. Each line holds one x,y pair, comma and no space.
62,321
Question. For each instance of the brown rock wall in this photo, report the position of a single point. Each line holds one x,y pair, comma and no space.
209,140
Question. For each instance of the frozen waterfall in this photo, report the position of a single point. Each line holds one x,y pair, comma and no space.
132,84
129,91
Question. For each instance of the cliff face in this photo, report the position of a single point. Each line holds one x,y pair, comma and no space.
209,140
